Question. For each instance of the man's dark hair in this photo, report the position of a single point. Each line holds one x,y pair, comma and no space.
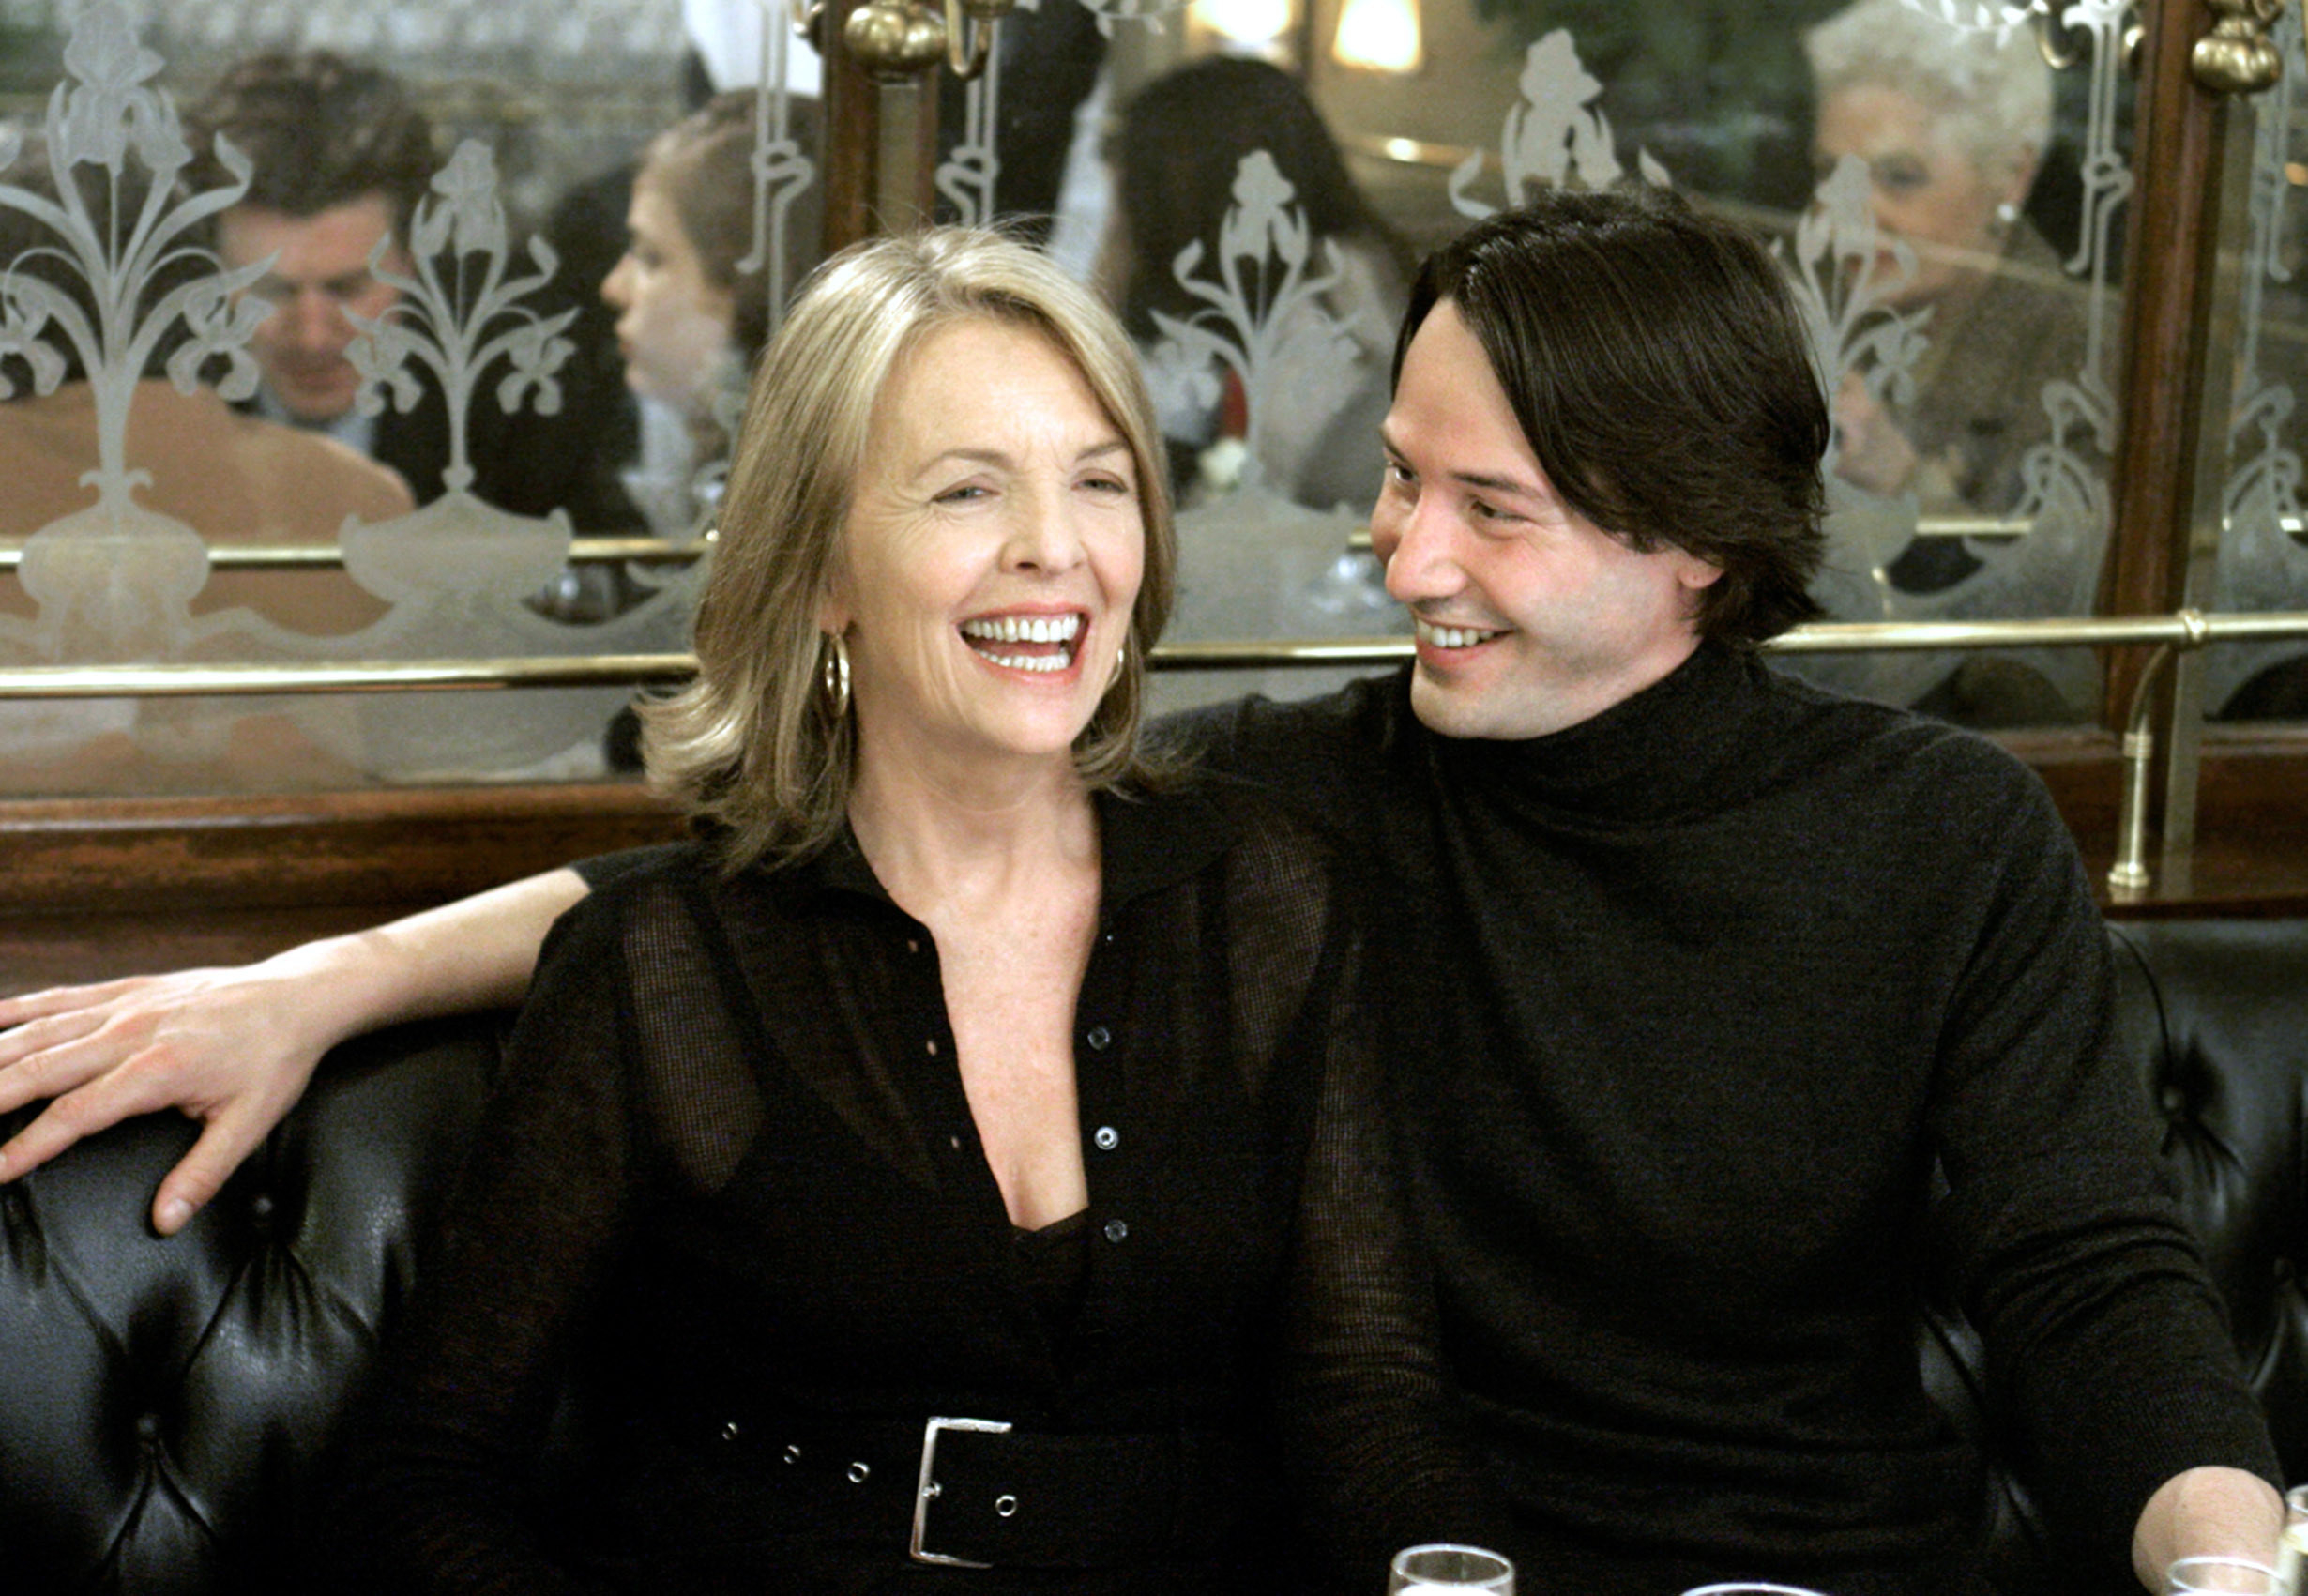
1662,372
321,133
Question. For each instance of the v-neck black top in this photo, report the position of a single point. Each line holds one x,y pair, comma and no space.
732,1157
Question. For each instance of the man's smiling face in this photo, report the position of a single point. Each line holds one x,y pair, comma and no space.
1530,618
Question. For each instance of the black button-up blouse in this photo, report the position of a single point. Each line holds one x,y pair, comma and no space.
732,1161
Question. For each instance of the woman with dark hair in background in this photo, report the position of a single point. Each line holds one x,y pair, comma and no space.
692,298
1176,154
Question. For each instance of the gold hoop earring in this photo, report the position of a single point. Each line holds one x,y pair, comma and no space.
833,674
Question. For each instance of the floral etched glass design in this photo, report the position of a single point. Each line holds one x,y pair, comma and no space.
1253,563
114,314
2262,560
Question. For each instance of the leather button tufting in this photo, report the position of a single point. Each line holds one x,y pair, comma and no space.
261,1210
2284,1272
148,1428
2172,1101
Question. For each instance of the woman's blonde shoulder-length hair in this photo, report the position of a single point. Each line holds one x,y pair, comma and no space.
750,746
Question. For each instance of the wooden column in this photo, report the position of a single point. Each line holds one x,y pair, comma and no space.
2169,273
873,183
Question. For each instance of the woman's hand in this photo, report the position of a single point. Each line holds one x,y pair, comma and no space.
231,1048
1872,454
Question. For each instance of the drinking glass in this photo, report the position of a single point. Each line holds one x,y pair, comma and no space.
1749,1587
2292,1549
1443,1570
2219,1576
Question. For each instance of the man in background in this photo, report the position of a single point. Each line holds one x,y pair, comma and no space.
341,155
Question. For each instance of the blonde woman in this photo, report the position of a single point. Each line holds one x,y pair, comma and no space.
970,1065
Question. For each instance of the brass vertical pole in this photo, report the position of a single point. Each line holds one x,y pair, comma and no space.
2199,571
881,123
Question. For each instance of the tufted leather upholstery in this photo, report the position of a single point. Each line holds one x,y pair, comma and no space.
161,1403
2214,1015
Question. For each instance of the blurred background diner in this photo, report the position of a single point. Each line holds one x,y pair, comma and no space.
1951,130
1980,386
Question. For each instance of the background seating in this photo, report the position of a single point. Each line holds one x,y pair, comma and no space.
165,1402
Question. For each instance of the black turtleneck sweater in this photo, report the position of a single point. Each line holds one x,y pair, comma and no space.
1689,1001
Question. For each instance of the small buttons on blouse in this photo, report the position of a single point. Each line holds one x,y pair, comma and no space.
1099,1038
912,944
1116,1230
730,1430
932,1046
1106,1138
857,1472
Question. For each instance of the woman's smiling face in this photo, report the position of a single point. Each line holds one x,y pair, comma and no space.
991,552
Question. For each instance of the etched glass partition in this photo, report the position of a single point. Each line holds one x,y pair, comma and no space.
1945,180
2262,560
200,356
1254,225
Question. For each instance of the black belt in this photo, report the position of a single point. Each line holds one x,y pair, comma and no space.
975,1493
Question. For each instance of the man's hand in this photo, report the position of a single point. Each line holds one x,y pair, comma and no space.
2207,1513
234,1048
231,1048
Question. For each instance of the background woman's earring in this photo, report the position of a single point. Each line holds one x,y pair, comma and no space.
833,674
2007,213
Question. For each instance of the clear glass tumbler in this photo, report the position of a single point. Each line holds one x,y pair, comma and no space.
2219,1576
2292,1549
1445,1570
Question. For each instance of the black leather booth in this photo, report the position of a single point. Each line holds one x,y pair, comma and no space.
162,1402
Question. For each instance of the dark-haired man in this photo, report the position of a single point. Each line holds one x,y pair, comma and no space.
1698,978
1701,977
341,155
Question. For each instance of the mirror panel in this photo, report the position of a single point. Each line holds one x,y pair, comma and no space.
1948,201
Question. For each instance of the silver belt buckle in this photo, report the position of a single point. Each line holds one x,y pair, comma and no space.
926,1488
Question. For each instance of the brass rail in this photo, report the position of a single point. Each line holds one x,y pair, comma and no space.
2172,635
349,675
2186,629
642,549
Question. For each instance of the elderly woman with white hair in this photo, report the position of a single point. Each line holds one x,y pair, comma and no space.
1953,126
